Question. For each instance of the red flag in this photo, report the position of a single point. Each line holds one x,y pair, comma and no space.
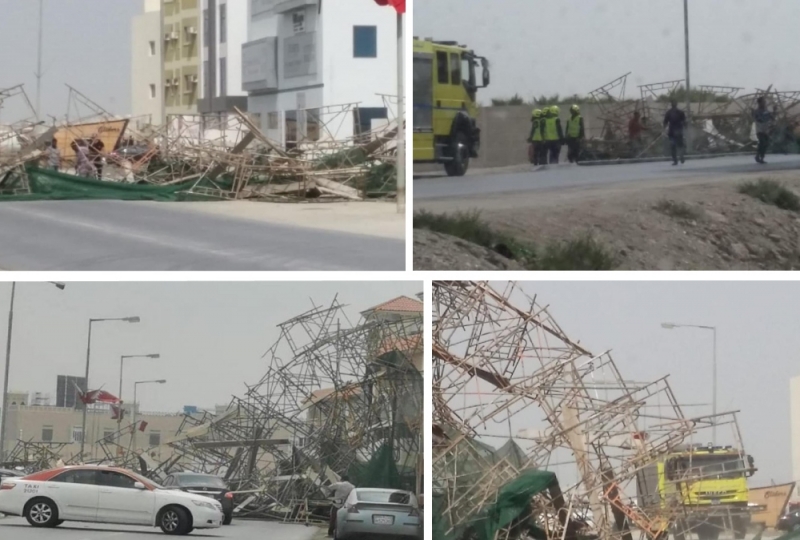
398,5
117,413
96,396
142,426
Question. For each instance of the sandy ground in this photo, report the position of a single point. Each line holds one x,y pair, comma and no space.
731,231
371,218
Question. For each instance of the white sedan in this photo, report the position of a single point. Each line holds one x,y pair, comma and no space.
105,495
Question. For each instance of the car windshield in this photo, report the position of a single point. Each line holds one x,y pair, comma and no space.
394,497
200,480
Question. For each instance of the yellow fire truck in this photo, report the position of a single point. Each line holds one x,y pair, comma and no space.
445,106
703,487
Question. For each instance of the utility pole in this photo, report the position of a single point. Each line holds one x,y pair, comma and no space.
688,84
39,64
401,115
5,379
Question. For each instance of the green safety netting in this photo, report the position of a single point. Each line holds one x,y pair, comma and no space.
379,472
513,501
46,184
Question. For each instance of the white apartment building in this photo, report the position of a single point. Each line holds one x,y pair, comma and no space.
223,33
147,93
304,58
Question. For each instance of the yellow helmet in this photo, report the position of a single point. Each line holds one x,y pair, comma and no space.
575,108
537,113
555,110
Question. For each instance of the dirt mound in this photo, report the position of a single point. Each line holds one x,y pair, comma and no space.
437,251
699,226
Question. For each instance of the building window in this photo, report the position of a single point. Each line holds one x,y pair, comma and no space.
299,21
47,434
272,120
108,435
155,438
223,24
77,434
152,91
365,41
223,76
206,28
312,124
152,48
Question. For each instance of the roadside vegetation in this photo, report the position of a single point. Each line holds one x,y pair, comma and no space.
580,253
772,192
679,210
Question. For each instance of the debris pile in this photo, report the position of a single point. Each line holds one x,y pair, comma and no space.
721,119
193,158
535,436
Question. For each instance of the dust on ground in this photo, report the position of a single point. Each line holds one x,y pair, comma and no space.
731,231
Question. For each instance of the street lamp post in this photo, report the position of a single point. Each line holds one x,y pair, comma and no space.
135,385
688,98
401,131
671,326
61,286
86,376
121,361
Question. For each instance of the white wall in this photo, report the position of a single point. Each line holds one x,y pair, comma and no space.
232,50
794,421
349,79
146,69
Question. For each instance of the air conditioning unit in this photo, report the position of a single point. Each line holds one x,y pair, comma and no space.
191,30
192,79
173,36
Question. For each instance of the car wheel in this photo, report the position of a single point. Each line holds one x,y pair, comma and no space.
227,520
42,513
174,520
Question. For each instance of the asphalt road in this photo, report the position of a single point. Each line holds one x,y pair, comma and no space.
116,235
18,529
566,176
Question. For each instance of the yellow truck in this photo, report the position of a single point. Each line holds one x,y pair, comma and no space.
445,104
702,488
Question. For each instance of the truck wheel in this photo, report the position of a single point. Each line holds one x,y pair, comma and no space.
739,528
707,532
459,150
42,513
174,520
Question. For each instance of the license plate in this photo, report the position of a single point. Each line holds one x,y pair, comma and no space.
383,520
714,501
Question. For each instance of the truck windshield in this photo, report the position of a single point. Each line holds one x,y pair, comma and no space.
709,467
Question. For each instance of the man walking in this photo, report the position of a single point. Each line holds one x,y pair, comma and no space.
575,134
763,119
675,122
340,490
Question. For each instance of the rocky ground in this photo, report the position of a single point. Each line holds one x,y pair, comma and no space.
698,226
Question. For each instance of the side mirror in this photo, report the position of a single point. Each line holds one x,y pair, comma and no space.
139,485
486,74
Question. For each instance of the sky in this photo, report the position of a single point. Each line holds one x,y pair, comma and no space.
758,348
210,336
574,46
86,44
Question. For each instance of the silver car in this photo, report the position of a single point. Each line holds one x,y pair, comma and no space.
373,512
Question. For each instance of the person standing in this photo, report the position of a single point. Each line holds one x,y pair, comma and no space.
675,122
96,151
764,120
575,134
53,156
535,138
340,491
553,134
83,165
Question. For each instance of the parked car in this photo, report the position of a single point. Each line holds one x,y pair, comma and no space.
204,484
133,152
789,521
8,473
105,495
377,512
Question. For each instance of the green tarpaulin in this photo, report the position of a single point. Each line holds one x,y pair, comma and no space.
379,472
46,184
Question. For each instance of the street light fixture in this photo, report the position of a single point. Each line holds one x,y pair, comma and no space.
134,319
121,361
135,385
61,286
672,326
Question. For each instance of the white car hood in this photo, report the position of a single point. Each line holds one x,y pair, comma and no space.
176,494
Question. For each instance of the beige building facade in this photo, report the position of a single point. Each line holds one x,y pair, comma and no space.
181,20
60,427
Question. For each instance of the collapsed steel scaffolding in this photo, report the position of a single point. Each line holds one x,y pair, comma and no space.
334,396
503,370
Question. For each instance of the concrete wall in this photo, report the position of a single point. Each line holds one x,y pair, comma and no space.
146,64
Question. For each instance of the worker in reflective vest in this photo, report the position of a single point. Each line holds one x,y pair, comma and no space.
535,138
553,134
575,134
